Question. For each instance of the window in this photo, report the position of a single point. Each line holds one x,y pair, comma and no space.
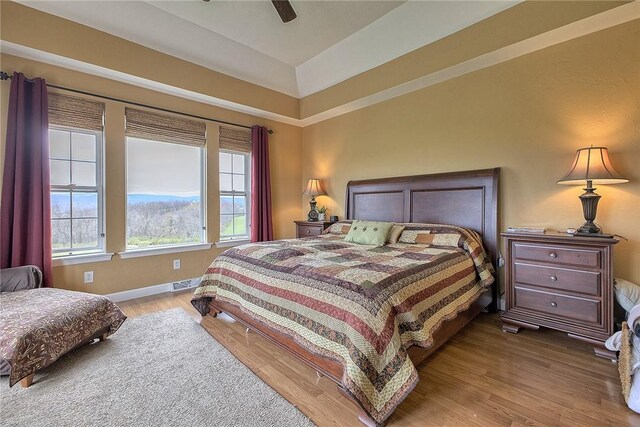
77,220
164,194
165,185
235,187
75,158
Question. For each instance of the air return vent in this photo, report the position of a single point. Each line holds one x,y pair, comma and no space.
185,284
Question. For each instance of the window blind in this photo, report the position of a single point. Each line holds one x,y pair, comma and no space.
165,128
71,111
235,139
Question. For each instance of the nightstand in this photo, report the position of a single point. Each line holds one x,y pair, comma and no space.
310,228
560,282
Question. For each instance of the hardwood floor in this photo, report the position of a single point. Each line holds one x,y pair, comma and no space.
481,377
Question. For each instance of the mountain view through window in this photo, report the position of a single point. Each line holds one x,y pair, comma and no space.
164,194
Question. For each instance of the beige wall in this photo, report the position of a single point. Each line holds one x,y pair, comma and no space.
124,274
523,21
527,116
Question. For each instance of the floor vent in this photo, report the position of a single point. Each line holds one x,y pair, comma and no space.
185,284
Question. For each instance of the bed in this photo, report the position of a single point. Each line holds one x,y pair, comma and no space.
366,316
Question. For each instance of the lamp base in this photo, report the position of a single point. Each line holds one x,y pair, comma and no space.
313,210
589,228
590,201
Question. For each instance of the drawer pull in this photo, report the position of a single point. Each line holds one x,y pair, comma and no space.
554,304
553,278
308,231
553,255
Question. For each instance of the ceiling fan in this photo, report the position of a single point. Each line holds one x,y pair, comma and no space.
284,9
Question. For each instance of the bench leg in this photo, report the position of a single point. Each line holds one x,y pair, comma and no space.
27,381
103,337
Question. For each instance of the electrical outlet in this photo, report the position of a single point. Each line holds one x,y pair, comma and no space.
176,264
88,277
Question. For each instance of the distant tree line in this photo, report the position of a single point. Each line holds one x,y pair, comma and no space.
148,223
163,223
85,231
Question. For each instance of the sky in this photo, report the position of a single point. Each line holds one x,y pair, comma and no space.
162,168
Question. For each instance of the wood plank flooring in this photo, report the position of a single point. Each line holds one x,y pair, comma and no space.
481,377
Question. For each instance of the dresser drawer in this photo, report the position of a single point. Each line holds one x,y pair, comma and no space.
557,255
558,306
560,282
309,230
579,281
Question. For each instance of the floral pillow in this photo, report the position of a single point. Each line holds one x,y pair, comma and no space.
341,227
423,237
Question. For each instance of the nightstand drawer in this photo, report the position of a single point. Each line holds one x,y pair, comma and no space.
579,281
557,255
309,230
555,305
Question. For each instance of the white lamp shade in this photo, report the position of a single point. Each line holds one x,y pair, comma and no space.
592,164
313,188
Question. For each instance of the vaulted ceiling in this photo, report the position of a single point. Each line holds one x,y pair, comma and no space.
329,42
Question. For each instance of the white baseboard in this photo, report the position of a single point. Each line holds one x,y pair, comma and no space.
143,292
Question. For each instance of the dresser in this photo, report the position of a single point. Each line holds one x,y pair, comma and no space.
311,228
561,282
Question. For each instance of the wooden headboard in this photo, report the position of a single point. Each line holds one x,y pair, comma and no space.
467,199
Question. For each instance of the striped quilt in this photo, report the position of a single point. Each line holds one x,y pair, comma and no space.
360,305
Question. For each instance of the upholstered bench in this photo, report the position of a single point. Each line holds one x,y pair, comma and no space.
37,326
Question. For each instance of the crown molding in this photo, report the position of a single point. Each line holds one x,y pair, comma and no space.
96,70
583,27
592,24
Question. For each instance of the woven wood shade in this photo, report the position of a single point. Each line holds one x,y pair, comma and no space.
235,139
165,128
71,111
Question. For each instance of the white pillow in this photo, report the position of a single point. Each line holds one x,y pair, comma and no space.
627,293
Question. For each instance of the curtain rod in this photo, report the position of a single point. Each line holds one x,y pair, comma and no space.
5,76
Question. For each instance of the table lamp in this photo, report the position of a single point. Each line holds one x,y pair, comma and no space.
593,166
313,189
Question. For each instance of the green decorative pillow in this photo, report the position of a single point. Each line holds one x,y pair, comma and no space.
369,232
627,294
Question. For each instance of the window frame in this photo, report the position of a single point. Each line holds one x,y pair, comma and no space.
100,248
232,193
203,202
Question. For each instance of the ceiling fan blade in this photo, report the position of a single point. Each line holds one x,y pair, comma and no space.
285,10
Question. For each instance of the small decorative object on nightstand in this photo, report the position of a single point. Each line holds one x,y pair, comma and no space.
593,166
310,228
322,213
560,282
313,189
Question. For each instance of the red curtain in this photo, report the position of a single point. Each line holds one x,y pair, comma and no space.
25,233
261,225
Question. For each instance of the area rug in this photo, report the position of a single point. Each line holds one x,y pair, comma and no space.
160,369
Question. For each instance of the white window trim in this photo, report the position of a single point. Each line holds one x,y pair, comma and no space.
81,259
203,211
203,195
161,250
60,254
245,238
227,243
